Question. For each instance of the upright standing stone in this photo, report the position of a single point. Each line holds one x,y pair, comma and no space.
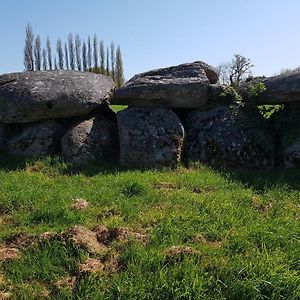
228,136
88,141
149,137
37,139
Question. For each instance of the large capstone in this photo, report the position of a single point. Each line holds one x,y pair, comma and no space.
149,137
228,136
36,139
276,90
88,141
32,96
186,85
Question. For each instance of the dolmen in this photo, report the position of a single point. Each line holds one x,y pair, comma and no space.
175,114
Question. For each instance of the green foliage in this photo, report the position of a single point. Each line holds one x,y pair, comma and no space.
230,94
248,224
268,110
257,89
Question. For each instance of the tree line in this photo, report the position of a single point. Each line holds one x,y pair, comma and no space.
75,54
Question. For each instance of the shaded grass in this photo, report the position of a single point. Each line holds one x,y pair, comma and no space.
248,223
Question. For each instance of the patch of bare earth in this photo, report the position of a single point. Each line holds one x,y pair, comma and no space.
166,186
122,234
109,264
68,283
20,240
91,265
2,278
80,204
47,235
203,190
181,250
85,238
7,253
200,239
256,203
5,295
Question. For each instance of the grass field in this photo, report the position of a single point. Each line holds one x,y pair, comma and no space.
205,234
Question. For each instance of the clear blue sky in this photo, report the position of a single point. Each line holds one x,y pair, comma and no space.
158,33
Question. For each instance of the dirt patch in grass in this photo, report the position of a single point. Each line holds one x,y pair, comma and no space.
109,264
122,234
262,207
200,239
47,235
80,204
68,283
91,265
20,240
5,295
85,238
7,253
2,278
203,190
175,251
166,186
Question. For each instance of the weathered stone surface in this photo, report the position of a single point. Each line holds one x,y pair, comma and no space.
32,96
149,137
187,85
2,134
37,139
279,89
228,136
286,127
89,141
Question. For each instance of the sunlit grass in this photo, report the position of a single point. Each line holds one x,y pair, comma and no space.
243,226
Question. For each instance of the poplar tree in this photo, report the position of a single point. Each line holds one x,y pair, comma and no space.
107,62
44,55
28,49
112,60
89,57
66,56
38,53
119,68
102,58
84,56
49,53
71,51
60,54
95,51
55,63
78,52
